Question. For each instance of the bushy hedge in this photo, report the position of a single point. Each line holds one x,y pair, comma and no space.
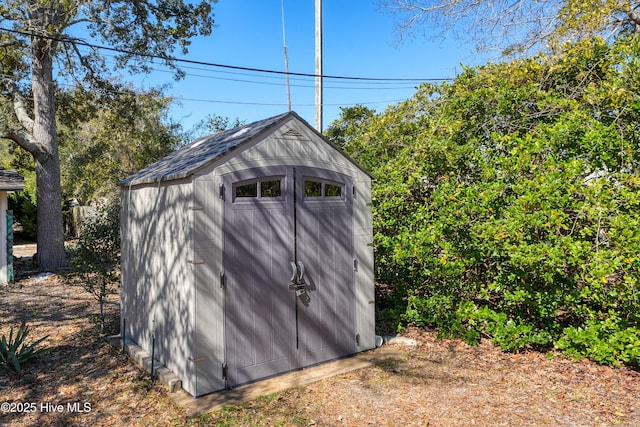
506,203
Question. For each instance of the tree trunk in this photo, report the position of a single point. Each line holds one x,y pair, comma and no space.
101,298
51,255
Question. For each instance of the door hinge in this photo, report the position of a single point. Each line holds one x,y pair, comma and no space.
353,190
224,371
358,339
222,280
355,264
221,194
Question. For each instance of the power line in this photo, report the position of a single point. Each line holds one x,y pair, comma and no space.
249,72
377,85
275,104
219,101
211,64
280,83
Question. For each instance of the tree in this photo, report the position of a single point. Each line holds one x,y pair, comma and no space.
42,32
519,26
104,140
350,125
213,123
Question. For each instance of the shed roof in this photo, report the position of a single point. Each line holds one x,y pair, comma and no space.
190,158
10,180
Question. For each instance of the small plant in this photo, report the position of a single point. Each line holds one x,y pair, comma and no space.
97,255
15,352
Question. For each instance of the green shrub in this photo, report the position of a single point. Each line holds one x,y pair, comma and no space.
25,212
15,351
507,206
606,342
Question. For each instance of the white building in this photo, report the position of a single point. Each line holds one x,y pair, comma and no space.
10,181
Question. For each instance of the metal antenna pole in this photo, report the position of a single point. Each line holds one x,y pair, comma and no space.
286,60
319,100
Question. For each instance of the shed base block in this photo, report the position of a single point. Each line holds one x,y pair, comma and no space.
142,358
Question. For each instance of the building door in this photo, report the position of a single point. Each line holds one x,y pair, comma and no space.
289,270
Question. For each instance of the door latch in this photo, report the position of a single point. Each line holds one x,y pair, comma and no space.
293,281
296,282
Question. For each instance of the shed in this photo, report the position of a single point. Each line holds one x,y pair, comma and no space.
247,254
10,181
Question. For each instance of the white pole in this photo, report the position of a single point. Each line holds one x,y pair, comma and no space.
319,65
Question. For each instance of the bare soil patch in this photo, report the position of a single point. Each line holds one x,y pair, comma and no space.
438,383
26,250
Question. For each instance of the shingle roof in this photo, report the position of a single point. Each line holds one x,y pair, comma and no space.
188,159
10,180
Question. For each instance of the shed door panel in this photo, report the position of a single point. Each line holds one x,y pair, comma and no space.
259,332
326,313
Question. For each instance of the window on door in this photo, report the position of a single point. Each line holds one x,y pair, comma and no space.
317,188
265,188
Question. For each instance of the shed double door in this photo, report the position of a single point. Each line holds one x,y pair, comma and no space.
289,270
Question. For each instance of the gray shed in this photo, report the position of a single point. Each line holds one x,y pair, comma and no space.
247,254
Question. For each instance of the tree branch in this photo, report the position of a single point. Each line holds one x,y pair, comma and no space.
8,44
86,64
634,17
515,27
19,106
25,140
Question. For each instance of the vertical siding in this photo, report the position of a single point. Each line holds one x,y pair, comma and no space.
363,244
157,281
209,303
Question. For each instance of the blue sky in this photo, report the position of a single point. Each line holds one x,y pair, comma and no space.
359,41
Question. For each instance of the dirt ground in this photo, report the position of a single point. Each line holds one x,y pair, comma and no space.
82,380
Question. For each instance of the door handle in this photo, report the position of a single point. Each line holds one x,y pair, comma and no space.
294,273
300,273
293,281
301,285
